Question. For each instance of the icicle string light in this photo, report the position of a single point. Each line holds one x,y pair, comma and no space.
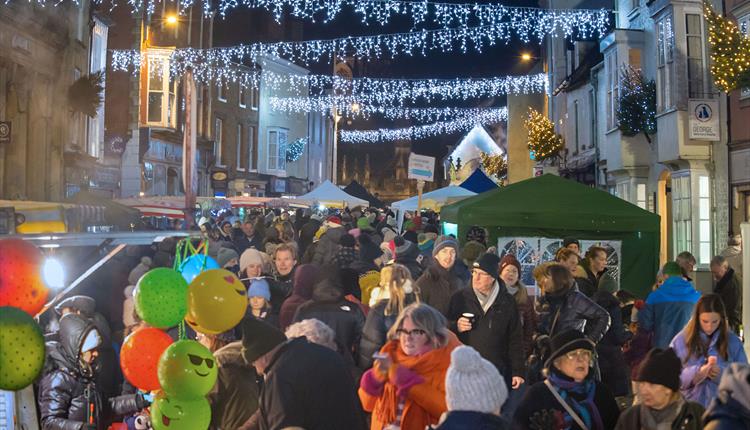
415,114
491,116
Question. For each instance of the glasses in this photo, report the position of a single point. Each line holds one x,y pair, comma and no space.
196,360
416,332
579,354
480,273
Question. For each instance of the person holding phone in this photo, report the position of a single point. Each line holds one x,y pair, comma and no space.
405,389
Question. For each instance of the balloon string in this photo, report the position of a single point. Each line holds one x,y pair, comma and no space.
181,332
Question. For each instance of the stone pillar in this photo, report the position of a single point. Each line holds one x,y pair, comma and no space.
520,166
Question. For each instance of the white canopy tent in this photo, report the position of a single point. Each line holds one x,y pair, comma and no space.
330,195
433,200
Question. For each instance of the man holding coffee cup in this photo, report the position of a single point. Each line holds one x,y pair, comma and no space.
486,318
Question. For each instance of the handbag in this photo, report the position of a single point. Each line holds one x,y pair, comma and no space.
565,405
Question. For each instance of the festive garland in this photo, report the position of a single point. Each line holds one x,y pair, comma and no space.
295,150
416,114
495,165
636,107
730,52
544,143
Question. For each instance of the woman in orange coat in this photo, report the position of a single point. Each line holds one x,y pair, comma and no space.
405,389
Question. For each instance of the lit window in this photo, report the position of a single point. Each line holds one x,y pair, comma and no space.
683,235
221,92
704,220
161,109
277,139
243,95
664,63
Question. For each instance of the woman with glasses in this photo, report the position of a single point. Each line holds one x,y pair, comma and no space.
570,397
405,389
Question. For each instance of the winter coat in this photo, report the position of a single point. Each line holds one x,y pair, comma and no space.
588,284
424,394
369,278
730,410
235,396
468,420
375,331
281,288
308,386
571,309
327,246
733,255
668,310
304,279
409,259
496,335
704,391
242,242
529,322
611,360
67,390
345,256
729,288
540,410
344,317
307,234
437,286
689,418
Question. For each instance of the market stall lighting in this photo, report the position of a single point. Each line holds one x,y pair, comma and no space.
391,45
422,131
53,273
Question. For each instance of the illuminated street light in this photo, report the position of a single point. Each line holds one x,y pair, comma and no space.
526,56
171,19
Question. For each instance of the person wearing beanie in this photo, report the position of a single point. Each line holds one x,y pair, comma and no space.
570,397
661,404
138,271
443,276
668,309
407,253
346,254
573,244
471,252
474,392
364,224
259,301
612,365
426,244
706,346
228,259
485,317
316,392
477,234
251,264
510,273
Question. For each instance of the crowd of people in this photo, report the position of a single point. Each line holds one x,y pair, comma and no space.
352,323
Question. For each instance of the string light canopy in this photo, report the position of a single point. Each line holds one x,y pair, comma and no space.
490,116
390,45
415,114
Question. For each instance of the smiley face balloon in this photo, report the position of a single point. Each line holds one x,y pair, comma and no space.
169,413
216,301
187,370
21,283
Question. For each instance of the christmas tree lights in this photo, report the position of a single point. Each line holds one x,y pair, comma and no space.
295,150
492,116
636,108
730,52
544,143
495,165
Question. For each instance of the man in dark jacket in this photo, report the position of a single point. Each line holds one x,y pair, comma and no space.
248,237
731,408
486,318
234,398
68,395
407,254
328,244
314,393
614,369
729,287
307,233
284,262
441,279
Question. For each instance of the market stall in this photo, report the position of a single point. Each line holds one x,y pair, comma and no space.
358,190
478,182
328,194
535,214
434,200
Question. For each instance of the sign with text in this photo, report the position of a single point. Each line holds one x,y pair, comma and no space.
421,167
704,120
4,132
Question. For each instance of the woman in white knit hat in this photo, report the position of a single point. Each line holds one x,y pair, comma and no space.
474,392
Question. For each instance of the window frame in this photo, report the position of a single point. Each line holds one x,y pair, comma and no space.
682,223
219,141
613,88
744,21
168,117
254,98
665,69
704,241
252,148
238,152
279,154
703,79
242,99
221,92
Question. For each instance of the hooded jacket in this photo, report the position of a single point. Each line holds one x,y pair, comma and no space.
68,390
437,285
328,245
611,361
730,410
668,310
571,309
470,420
329,306
304,279
234,397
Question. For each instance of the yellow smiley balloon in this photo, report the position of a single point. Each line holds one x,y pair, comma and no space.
217,301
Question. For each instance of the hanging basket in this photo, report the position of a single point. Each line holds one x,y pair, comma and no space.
85,95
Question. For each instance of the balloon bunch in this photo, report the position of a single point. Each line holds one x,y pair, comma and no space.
22,295
211,301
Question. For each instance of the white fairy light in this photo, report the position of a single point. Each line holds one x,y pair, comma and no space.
415,114
491,116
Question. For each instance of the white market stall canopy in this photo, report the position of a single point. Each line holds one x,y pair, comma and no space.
330,195
433,200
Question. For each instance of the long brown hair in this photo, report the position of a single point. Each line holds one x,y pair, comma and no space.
395,277
696,346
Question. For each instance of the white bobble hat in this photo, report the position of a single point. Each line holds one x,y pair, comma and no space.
473,383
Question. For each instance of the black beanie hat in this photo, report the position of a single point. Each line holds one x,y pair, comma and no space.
347,240
489,263
661,366
259,338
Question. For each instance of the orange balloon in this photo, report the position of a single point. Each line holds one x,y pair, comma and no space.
139,357
21,282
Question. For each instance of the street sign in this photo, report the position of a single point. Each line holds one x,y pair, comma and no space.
704,120
421,167
5,132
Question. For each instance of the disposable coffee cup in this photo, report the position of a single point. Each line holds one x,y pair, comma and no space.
469,316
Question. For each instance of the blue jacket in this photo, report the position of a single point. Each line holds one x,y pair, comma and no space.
705,391
668,310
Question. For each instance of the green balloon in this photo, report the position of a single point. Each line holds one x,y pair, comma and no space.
161,297
187,370
21,349
168,413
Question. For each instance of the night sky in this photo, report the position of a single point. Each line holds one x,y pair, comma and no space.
499,60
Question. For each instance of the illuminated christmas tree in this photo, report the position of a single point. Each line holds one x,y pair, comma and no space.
494,165
636,108
730,52
544,143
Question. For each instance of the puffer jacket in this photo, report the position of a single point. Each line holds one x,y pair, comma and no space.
327,246
611,361
235,396
281,287
67,391
409,259
375,332
437,285
571,309
329,306
730,410
588,284
668,310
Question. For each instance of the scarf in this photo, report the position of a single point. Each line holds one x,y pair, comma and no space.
512,290
653,419
586,410
487,300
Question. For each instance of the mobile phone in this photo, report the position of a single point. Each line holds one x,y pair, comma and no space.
379,356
